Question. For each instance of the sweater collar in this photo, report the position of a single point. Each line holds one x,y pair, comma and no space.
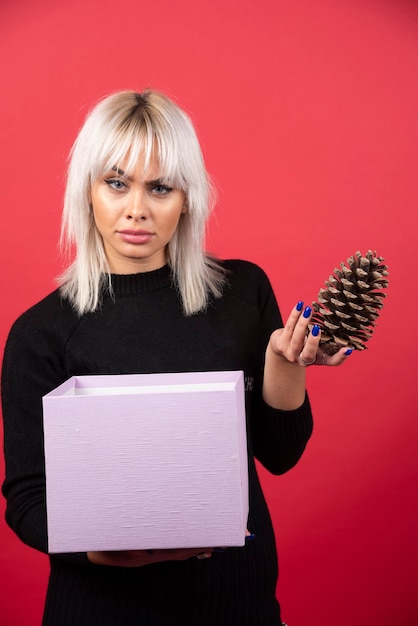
126,284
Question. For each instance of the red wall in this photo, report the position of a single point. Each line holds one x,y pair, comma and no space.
307,112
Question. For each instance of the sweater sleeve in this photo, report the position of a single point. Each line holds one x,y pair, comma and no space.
279,437
33,365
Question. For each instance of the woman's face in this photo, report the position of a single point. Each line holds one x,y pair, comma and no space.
136,217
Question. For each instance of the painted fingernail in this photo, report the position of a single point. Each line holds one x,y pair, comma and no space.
348,352
249,537
219,550
299,305
307,312
150,552
315,330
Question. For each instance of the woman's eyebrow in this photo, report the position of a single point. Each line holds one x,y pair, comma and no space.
154,181
121,172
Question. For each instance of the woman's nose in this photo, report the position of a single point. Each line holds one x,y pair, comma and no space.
137,205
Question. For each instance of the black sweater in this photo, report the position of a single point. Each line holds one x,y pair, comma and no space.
142,329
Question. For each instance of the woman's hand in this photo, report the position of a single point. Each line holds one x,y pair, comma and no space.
296,345
289,352
139,558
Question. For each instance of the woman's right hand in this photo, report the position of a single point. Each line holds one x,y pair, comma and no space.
139,558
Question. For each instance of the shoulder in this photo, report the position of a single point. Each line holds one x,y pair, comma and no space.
53,315
240,267
46,310
35,354
248,283
240,273
248,292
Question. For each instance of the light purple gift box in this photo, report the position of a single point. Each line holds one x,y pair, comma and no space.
146,461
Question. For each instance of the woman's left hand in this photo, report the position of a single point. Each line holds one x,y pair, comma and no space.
297,345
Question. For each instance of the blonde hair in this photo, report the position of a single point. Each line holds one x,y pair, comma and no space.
124,127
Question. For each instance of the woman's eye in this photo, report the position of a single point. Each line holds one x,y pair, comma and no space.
161,189
115,183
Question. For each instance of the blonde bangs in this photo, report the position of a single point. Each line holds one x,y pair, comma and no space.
139,139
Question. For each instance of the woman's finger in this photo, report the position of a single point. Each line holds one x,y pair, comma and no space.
295,329
308,355
292,320
333,360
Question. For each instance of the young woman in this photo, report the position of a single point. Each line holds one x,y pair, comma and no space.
142,296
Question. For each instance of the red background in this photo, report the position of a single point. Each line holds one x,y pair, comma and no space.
307,113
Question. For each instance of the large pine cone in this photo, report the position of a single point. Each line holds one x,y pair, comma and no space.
348,307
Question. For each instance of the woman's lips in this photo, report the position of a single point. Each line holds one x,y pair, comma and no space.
136,236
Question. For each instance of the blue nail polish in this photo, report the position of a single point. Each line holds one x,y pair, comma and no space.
150,552
299,305
348,352
219,550
315,330
307,312
249,537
